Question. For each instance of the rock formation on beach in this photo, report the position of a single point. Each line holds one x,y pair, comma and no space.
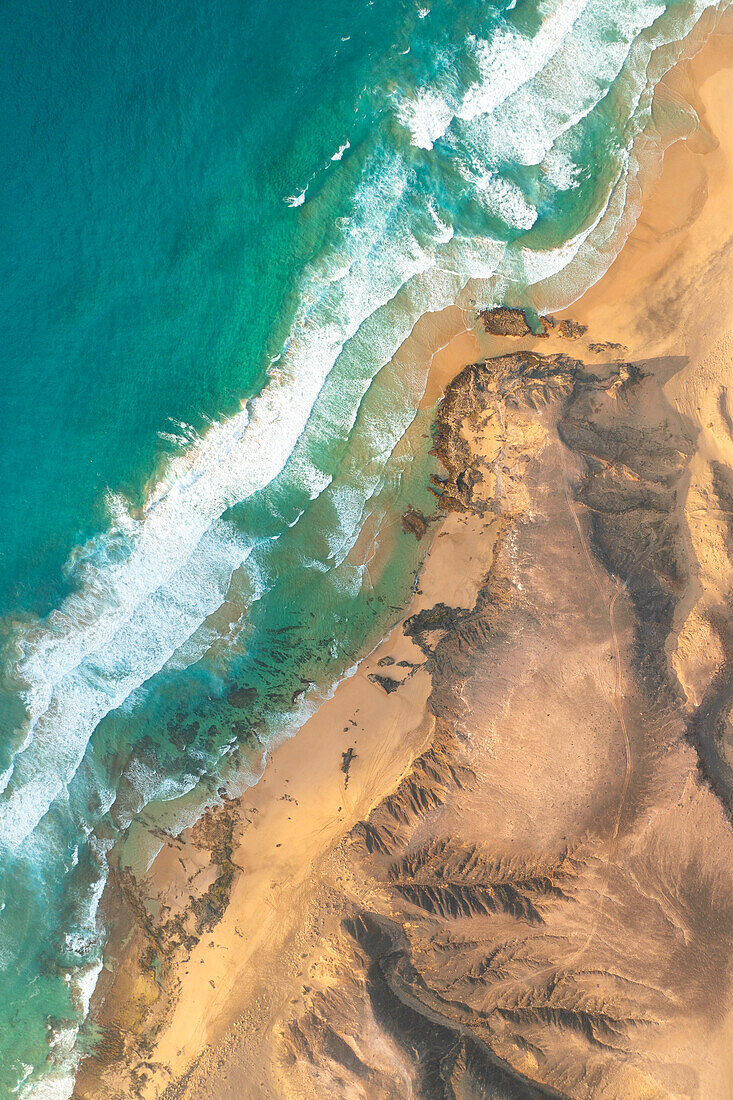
545,900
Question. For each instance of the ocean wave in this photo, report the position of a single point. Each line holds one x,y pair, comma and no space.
341,150
297,200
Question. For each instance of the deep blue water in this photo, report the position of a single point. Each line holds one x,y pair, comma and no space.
215,203
147,251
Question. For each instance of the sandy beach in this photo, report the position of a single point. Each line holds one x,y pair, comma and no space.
268,913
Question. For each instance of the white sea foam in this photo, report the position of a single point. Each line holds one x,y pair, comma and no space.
297,200
26,1072
509,60
427,115
505,200
341,150
58,1084
506,62
560,169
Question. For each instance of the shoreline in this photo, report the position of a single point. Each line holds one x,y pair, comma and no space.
320,784
389,725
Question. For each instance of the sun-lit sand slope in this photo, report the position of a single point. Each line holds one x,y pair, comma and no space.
499,861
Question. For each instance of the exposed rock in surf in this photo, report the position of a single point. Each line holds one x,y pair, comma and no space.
510,321
414,523
241,697
505,321
157,935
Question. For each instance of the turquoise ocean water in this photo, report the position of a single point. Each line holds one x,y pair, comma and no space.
220,220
